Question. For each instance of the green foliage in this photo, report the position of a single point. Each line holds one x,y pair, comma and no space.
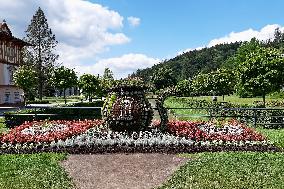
64,78
183,88
189,64
278,40
163,78
108,74
13,119
26,78
262,71
220,82
107,81
109,101
230,170
41,55
90,85
33,171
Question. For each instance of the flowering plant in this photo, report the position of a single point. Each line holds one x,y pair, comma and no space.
50,131
202,131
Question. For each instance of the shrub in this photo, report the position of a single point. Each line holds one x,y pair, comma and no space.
13,119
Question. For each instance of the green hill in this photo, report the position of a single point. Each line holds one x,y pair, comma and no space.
189,64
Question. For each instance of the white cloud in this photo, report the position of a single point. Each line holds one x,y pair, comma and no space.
84,30
189,49
264,34
133,21
121,66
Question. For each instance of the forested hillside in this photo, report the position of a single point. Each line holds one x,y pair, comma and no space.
189,64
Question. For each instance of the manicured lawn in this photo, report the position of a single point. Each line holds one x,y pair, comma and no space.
275,135
185,114
236,99
2,126
33,171
252,170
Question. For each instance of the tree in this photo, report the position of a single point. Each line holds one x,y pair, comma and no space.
25,78
41,54
262,71
90,85
278,40
64,78
106,81
183,87
163,78
219,82
108,74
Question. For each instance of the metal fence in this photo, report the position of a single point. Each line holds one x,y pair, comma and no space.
51,113
255,116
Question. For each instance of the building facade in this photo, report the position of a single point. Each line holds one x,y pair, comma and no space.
10,59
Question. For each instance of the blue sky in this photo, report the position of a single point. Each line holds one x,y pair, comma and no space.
125,35
168,26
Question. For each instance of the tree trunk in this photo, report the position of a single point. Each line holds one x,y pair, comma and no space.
64,96
40,77
263,98
223,98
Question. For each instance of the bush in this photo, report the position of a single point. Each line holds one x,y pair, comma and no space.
65,112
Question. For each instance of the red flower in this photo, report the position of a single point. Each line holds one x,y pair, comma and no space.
71,128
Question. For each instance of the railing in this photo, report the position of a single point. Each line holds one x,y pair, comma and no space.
255,116
52,113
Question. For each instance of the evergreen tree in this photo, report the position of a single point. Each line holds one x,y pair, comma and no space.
41,55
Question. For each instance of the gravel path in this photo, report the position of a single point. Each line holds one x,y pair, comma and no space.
121,171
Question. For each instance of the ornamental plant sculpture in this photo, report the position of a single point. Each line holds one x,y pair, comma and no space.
160,106
126,107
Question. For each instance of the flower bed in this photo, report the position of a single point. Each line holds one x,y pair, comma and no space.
89,137
203,131
47,131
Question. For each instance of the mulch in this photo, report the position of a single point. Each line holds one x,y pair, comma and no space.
121,171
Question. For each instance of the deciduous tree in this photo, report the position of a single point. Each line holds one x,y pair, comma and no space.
64,78
26,78
90,85
262,71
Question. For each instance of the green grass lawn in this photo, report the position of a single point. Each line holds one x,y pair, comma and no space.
274,135
33,171
228,170
236,99
2,126
57,100
184,114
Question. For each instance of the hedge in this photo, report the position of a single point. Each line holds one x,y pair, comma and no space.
65,112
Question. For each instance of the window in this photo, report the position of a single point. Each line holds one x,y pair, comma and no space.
17,97
7,97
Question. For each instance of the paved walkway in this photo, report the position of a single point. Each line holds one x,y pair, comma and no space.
121,171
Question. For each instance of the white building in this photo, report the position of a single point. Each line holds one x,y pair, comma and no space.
10,59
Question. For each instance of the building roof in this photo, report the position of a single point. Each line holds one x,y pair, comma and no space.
6,34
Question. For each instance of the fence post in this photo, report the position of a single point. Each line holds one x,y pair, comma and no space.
35,114
255,117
